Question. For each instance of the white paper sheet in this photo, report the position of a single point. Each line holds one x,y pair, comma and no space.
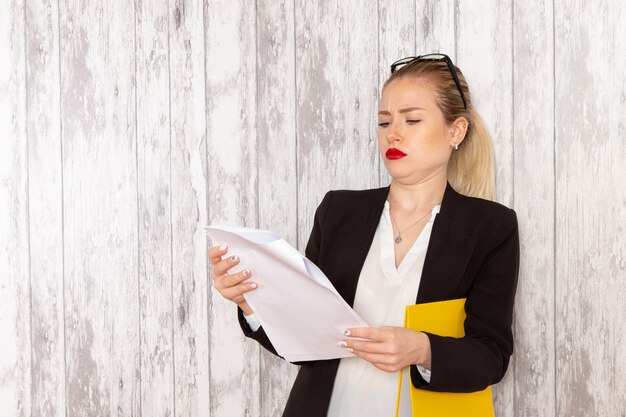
298,307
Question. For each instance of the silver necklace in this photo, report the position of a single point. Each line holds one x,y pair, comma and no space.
398,238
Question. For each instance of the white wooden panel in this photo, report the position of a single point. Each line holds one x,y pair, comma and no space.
232,190
46,209
397,35
277,183
435,27
590,69
484,55
189,208
533,103
99,208
155,213
15,346
396,39
336,89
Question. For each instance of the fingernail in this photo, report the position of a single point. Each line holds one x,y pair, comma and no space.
246,273
253,285
233,258
346,332
343,344
223,248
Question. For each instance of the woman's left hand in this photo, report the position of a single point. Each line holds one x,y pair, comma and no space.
391,348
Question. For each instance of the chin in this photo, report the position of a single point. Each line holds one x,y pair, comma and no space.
404,176
409,176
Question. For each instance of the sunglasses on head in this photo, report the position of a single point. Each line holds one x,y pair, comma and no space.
432,57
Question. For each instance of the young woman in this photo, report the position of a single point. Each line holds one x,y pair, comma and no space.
433,234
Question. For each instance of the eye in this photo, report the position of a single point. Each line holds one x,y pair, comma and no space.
383,124
412,122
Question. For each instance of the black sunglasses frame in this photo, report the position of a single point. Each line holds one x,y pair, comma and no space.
432,57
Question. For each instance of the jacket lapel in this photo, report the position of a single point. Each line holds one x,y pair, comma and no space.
361,242
445,253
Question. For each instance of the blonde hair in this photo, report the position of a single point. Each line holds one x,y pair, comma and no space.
471,168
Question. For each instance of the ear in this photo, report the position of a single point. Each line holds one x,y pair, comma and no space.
457,130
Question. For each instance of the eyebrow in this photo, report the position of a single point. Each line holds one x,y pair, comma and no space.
408,109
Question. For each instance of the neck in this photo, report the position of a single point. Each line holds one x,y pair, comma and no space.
419,196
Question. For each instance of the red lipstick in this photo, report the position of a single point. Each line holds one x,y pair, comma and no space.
394,153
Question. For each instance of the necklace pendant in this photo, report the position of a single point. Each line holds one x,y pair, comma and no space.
398,239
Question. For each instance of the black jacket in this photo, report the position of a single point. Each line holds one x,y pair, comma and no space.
473,252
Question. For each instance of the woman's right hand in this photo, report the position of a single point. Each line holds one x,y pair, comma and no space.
232,286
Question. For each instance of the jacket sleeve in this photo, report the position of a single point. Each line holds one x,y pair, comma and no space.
258,335
312,252
314,245
481,357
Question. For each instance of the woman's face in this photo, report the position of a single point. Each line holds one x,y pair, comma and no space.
413,138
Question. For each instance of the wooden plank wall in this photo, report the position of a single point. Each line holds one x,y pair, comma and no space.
126,127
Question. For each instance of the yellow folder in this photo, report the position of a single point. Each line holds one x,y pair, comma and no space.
444,318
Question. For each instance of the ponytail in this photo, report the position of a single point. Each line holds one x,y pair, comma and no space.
471,169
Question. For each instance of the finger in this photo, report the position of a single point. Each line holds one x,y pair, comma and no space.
367,347
216,253
376,359
232,293
227,281
222,267
371,333
383,362
234,279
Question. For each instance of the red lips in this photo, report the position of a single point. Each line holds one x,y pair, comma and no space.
393,153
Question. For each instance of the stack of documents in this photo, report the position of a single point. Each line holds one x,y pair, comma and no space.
300,310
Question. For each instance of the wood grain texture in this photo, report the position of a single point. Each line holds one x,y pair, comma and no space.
99,208
154,188
483,51
336,82
590,40
231,93
15,308
45,209
189,208
435,27
533,101
277,181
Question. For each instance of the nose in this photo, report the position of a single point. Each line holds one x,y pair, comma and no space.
392,135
